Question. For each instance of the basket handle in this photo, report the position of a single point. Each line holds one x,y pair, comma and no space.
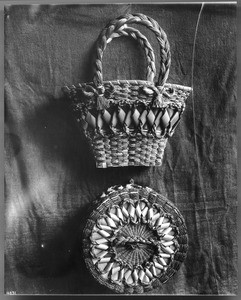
145,45
114,26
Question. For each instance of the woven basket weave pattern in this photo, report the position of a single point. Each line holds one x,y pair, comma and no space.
128,150
123,116
134,239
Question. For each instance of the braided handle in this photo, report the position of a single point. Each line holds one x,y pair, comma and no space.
142,40
118,23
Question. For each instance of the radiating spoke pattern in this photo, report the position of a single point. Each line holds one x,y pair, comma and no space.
132,241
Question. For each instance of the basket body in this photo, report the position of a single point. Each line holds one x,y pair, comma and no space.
128,122
134,240
131,130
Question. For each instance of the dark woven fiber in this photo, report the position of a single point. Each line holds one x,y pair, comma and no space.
127,122
127,150
132,245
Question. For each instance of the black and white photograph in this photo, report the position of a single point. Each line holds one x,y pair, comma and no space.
120,149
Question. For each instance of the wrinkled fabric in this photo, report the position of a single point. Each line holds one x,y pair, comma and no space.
50,176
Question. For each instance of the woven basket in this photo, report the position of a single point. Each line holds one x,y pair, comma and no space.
134,240
128,122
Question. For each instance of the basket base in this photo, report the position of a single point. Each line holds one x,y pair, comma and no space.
127,150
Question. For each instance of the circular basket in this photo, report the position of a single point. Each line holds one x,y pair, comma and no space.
134,240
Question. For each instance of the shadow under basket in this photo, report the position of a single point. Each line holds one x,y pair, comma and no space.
128,122
134,240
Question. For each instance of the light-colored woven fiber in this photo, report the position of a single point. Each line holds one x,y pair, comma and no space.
134,240
128,122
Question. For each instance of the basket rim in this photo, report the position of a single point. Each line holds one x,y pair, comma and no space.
67,87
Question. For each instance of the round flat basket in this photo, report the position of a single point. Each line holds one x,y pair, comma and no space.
134,240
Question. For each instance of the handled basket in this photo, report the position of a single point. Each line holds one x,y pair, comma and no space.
134,240
128,122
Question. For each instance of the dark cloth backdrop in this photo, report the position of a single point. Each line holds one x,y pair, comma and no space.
50,176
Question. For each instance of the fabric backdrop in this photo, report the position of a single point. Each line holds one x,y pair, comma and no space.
50,176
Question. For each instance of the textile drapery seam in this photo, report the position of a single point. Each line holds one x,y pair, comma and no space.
195,143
